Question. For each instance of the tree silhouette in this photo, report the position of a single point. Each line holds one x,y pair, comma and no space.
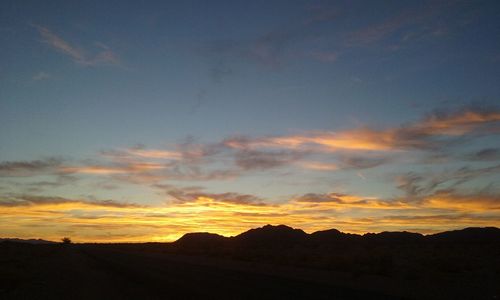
66,240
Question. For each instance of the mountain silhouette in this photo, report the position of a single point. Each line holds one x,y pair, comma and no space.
394,237
27,241
332,236
201,240
471,234
271,237
282,236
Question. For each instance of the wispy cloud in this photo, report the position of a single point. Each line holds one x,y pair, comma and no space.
405,25
430,133
196,194
230,158
327,57
102,56
27,200
318,165
228,213
41,76
418,187
487,154
30,168
260,160
320,14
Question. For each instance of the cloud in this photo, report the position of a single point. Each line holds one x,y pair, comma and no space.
228,213
377,32
487,154
451,200
30,168
60,45
41,76
318,198
259,160
435,131
419,186
270,50
319,14
196,194
408,24
337,151
27,200
327,57
104,55
318,165
329,201
132,167
357,161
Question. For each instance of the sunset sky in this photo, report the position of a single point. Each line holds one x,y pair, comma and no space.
141,121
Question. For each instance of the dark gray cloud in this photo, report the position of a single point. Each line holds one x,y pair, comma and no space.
362,162
417,186
193,193
320,14
488,154
260,160
26,200
317,198
30,168
102,56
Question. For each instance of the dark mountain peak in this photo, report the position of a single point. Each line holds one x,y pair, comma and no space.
272,236
200,240
328,232
269,230
470,234
331,237
27,241
394,236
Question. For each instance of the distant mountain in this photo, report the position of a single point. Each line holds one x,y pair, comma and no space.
332,236
394,237
201,240
471,234
28,241
283,236
271,236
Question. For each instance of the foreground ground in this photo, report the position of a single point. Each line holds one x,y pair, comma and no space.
151,271
114,272
272,262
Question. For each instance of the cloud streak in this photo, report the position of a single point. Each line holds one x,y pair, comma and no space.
29,168
29,200
103,56
432,132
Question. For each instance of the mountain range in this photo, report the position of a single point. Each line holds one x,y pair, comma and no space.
283,236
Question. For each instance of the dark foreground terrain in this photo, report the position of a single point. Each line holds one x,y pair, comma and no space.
273,262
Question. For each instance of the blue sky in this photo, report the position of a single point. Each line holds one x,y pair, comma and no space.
160,104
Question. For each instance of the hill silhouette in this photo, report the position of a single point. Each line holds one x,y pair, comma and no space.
270,237
468,235
28,241
280,236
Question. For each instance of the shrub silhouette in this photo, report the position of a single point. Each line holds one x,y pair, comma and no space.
66,240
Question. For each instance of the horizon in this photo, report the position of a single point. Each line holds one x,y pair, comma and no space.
142,122
254,228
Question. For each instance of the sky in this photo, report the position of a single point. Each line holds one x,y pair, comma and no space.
126,121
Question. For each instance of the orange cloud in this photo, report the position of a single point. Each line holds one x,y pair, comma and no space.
103,170
225,213
317,165
419,135
162,154
465,203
